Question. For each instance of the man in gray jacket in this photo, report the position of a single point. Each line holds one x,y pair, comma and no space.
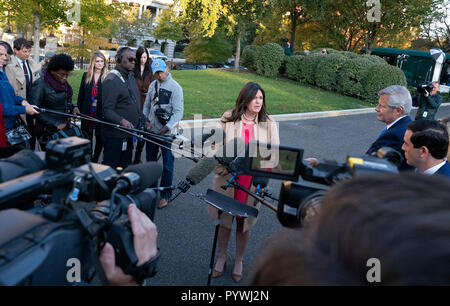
164,109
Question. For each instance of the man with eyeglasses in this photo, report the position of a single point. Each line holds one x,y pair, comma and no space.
394,106
121,105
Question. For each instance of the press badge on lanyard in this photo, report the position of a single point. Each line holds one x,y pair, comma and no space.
124,145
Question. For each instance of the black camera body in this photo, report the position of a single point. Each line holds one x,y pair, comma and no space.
426,86
300,198
37,245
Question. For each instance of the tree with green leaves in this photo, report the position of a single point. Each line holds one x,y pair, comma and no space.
297,12
44,13
204,16
436,28
352,24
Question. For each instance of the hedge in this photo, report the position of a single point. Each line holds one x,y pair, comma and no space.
269,59
350,77
308,73
327,70
381,76
249,55
294,66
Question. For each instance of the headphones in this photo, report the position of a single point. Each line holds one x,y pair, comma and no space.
119,54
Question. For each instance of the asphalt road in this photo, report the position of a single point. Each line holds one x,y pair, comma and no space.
186,232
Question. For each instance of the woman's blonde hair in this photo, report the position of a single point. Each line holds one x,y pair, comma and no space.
90,71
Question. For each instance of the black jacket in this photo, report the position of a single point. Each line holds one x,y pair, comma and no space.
120,100
84,100
43,95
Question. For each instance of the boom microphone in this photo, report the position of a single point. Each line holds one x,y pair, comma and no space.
226,154
136,178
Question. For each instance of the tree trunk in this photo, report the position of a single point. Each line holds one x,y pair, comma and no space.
36,34
238,52
294,18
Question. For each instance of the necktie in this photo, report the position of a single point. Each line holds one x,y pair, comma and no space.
25,71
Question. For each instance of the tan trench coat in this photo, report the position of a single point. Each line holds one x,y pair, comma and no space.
17,78
266,133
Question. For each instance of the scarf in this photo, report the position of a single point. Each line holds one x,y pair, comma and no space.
58,87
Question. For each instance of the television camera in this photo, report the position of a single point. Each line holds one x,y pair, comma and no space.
85,206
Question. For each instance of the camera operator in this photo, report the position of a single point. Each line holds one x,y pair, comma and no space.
163,107
145,235
428,102
425,146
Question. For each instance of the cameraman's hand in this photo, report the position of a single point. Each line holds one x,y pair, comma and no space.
148,126
426,93
145,235
31,109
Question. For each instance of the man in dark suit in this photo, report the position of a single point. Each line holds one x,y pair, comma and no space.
394,106
425,146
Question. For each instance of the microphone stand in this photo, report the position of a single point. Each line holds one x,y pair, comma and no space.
233,182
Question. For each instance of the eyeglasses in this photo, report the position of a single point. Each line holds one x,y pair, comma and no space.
132,59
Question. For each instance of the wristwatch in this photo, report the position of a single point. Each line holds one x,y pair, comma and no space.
145,271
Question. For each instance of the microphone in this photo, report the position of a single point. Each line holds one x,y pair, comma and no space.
136,178
225,155
262,182
201,170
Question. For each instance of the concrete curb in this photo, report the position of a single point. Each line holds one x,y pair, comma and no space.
187,124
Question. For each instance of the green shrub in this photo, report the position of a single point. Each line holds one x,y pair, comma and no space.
269,59
381,76
351,75
308,73
327,70
329,50
294,66
249,55
282,69
299,52
374,59
349,54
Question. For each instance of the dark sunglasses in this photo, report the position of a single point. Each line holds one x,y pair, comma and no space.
132,59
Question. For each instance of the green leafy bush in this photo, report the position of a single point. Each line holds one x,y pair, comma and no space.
381,76
269,59
374,59
308,73
294,66
249,55
349,54
327,70
351,75
329,50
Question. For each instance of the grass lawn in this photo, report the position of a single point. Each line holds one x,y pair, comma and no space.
211,92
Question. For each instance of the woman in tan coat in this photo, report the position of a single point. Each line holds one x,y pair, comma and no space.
248,120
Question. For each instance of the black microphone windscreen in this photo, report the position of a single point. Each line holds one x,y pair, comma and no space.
201,170
261,181
149,173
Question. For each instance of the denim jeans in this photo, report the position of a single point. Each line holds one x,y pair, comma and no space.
168,162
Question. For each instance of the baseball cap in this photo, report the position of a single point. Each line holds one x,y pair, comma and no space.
158,65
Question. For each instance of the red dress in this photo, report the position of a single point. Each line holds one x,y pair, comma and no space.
244,180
